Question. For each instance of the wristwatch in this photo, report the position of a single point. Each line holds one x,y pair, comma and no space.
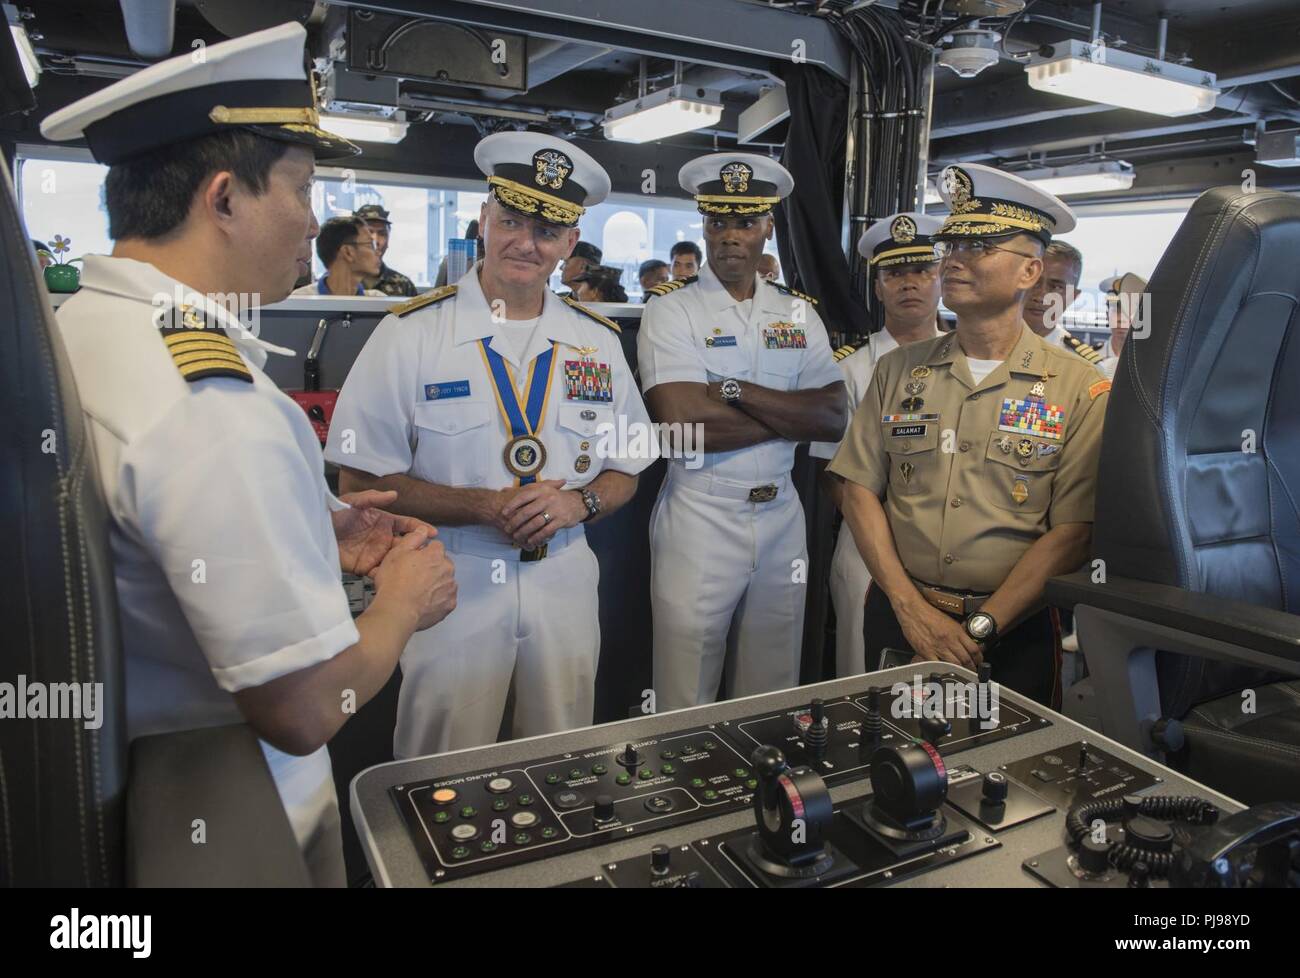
591,501
981,626
730,390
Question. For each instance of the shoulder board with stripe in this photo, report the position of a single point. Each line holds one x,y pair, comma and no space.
575,304
420,301
203,353
672,286
786,290
1081,348
849,348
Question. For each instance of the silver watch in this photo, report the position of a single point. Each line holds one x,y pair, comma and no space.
730,390
591,501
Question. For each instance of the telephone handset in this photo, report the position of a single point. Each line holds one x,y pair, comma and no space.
1258,847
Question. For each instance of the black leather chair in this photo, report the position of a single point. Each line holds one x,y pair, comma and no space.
81,806
1189,616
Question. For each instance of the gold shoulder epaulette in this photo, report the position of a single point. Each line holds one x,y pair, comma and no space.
420,301
672,286
789,291
1081,348
849,348
205,352
575,304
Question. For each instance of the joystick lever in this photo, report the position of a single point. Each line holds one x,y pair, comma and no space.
792,808
934,729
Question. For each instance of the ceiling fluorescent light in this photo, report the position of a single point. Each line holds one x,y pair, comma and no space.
26,53
369,129
1081,178
681,108
1128,81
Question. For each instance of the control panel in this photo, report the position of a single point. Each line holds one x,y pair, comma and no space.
901,777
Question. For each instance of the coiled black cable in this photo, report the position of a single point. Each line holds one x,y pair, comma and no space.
1183,808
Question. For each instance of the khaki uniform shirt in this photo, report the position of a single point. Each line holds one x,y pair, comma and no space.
974,474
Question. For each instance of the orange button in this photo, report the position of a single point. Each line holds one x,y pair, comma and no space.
444,796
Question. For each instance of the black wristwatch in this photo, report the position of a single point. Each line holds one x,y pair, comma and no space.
981,627
591,501
729,390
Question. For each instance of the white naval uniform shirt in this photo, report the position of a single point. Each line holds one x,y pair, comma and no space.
699,333
420,400
218,471
1110,361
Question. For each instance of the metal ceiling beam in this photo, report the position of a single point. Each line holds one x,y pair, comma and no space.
685,30
1261,52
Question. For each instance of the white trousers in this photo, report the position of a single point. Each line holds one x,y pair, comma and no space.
849,581
528,632
728,580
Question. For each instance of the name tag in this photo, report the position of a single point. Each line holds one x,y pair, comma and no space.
453,388
908,430
719,341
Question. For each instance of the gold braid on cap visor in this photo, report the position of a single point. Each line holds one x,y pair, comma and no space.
730,204
1001,217
254,116
900,256
526,200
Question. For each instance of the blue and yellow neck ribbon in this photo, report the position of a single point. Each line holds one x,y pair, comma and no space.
521,417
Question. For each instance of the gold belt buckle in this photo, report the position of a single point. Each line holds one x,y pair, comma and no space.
946,602
537,553
762,494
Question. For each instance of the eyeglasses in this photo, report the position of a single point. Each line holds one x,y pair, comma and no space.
976,249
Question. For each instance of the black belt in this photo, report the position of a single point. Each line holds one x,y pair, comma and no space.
954,602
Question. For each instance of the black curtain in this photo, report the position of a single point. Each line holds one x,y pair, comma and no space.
808,237
808,222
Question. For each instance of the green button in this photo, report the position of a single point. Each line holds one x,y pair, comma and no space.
525,800
710,795
598,769
441,817
552,778
624,778
576,773
668,755
740,772
550,832
487,845
752,784
522,838
710,745
500,805
646,774
668,769
698,782
469,811
460,852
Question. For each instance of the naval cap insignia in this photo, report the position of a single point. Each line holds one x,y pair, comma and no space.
903,230
735,177
552,168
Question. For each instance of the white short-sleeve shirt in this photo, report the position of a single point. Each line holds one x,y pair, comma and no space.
858,368
420,399
699,333
225,558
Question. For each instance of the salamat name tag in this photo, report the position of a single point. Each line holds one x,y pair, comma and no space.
908,430
452,388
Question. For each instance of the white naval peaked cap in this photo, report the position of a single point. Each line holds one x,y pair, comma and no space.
735,183
1126,284
986,202
541,176
900,239
257,82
